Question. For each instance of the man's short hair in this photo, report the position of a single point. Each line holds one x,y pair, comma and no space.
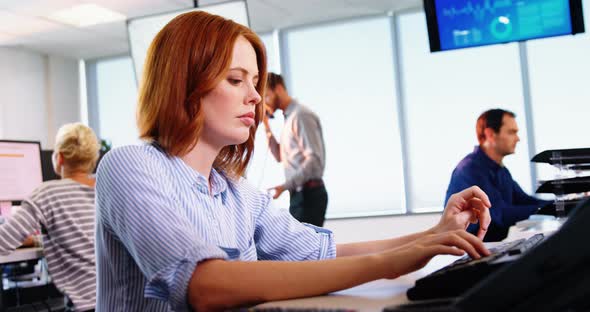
490,119
274,80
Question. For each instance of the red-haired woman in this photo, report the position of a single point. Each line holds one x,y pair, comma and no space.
178,226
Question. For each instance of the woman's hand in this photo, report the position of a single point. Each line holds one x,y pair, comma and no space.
463,208
30,241
415,255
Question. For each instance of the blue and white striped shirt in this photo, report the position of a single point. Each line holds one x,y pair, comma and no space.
156,220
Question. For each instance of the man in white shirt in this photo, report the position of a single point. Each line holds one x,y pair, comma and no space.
301,151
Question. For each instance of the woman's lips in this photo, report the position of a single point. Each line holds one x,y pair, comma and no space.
247,119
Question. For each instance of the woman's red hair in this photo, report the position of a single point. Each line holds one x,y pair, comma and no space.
185,61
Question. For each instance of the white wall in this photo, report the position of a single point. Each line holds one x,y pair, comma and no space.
362,229
24,93
64,94
39,93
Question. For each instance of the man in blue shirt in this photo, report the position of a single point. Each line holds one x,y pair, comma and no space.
497,134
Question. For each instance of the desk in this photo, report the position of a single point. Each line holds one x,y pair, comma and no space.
369,297
21,254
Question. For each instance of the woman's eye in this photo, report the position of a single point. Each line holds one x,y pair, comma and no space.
234,81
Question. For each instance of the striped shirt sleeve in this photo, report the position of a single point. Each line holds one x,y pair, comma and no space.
136,203
279,236
24,222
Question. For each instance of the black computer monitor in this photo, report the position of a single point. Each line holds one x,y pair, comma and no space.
20,169
47,165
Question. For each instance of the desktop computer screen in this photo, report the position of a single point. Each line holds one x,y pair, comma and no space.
20,169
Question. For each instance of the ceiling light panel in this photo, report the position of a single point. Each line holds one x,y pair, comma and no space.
86,15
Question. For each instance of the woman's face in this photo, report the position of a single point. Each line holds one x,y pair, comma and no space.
230,107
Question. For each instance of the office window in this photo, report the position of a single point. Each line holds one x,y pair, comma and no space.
344,72
272,51
445,92
560,92
112,99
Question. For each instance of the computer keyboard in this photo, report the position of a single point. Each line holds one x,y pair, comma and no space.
458,276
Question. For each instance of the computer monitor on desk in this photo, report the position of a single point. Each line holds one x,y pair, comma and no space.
20,171
20,174
47,164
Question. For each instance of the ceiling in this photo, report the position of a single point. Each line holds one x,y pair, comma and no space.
23,23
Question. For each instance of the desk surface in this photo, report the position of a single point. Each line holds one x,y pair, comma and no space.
373,296
22,254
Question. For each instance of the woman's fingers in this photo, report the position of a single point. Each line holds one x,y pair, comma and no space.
483,215
456,240
414,255
446,250
475,192
464,241
476,243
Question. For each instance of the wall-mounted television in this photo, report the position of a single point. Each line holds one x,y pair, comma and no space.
457,24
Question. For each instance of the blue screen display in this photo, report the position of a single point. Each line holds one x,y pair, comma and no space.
466,23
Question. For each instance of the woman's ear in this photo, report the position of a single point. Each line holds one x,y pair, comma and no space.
59,159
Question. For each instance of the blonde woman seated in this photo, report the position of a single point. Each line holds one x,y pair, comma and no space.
65,209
